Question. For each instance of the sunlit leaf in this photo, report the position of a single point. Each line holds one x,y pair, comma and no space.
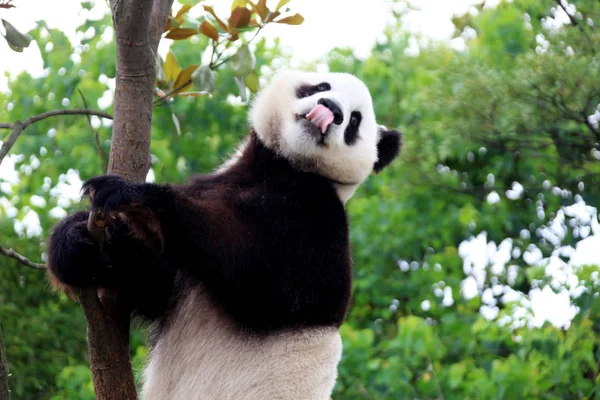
295,19
281,4
203,79
240,18
237,4
261,8
209,30
16,40
171,68
211,11
242,62
251,81
181,33
184,76
183,10
242,88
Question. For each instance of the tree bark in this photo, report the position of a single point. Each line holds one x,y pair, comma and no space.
3,371
138,27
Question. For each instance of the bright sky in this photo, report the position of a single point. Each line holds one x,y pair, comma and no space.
328,24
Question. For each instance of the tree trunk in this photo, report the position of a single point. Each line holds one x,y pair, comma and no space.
3,371
138,27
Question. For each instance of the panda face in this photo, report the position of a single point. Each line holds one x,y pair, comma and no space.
321,122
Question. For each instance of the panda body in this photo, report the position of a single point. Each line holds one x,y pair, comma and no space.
245,274
231,365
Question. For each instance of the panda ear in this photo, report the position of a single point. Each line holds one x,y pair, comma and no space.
388,147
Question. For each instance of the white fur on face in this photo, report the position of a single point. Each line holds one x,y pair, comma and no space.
274,116
201,356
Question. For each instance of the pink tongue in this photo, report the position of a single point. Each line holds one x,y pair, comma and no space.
321,116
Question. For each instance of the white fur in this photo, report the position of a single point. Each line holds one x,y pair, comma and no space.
201,355
273,116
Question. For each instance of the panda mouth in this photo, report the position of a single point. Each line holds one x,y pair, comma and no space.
317,122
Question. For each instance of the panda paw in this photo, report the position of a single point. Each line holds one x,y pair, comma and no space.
111,193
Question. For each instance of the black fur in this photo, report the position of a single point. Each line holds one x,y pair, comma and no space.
309,90
388,148
269,243
351,132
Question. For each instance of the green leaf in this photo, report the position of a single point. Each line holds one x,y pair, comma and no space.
16,40
242,62
251,81
203,79
242,88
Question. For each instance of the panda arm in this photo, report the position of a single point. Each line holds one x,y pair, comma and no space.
270,257
124,262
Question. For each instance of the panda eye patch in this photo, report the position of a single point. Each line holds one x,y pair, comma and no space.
309,90
351,132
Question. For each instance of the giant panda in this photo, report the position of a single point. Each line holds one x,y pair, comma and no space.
244,273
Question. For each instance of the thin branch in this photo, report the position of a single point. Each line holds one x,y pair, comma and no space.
21,259
19,127
95,134
167,97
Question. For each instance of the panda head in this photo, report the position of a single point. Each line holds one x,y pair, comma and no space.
324,123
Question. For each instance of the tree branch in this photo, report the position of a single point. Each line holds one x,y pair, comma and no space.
94,134
138,26
158,20
21,259
18,127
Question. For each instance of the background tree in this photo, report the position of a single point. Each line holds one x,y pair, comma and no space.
453,246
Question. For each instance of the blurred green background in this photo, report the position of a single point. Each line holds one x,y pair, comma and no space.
474,253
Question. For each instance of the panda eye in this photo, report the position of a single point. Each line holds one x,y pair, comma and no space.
351,132
323,87
309,90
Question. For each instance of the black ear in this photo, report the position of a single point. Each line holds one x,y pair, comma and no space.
390,142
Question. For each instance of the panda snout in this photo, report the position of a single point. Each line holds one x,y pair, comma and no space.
338,115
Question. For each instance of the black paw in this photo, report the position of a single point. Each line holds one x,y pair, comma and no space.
111,193
73,257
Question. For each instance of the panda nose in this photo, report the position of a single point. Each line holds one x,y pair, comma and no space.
338,116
